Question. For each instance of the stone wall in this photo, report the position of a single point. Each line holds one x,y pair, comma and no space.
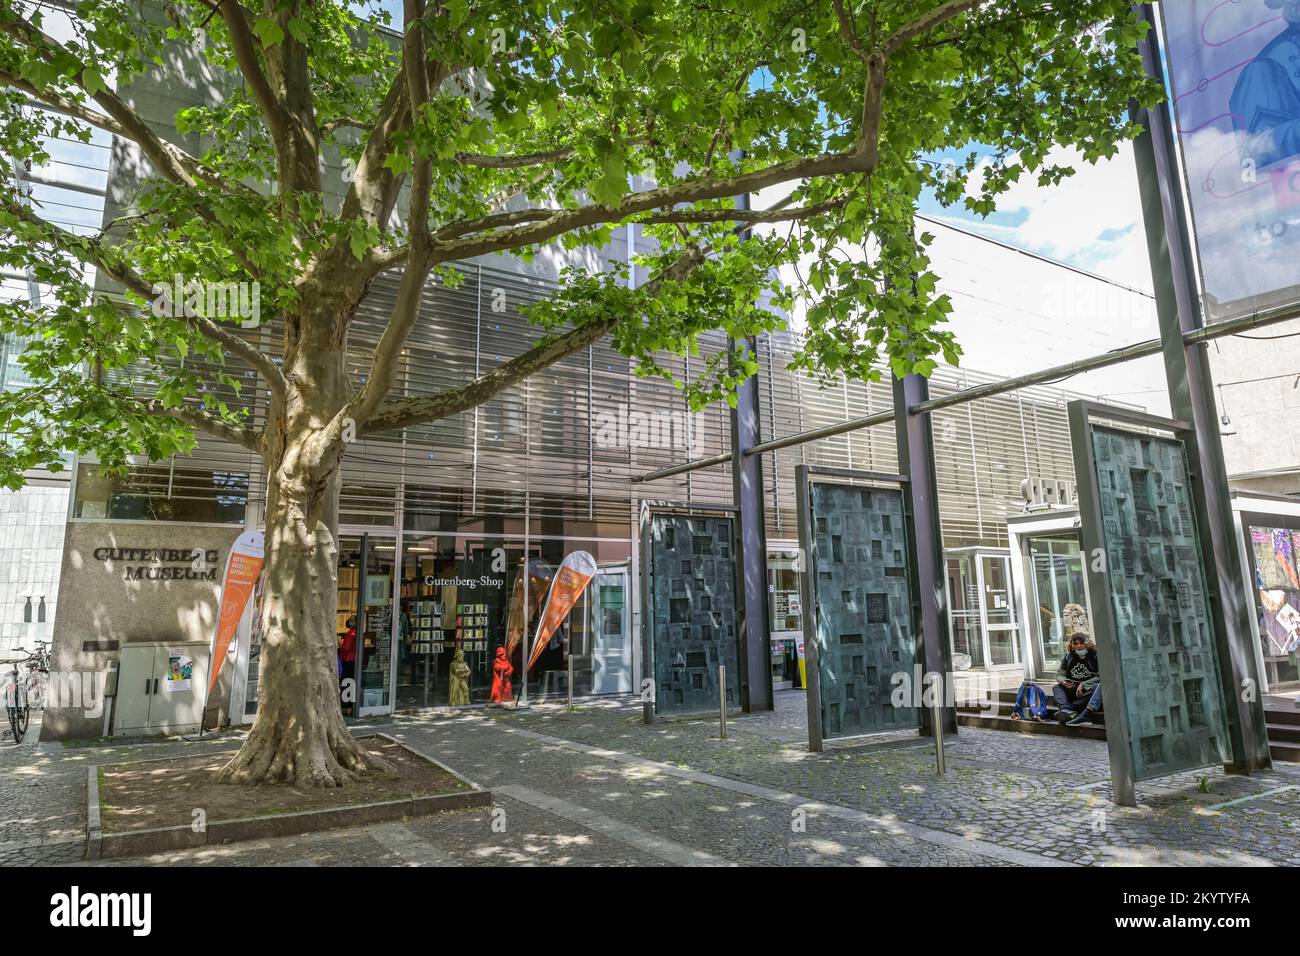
131,583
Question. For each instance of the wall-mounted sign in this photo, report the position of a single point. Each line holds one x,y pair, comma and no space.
1048,492
485,581
163,564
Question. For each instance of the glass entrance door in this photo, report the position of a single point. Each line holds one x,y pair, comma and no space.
963,603
982,613
611,633
999,616
364,624
1058,602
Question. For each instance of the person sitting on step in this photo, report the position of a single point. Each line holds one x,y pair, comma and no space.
1078,689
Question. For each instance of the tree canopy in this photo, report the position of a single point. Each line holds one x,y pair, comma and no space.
470,127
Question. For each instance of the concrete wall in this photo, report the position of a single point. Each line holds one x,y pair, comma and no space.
31,537
113,597
1257,389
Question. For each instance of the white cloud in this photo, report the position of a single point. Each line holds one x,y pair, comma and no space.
1092,219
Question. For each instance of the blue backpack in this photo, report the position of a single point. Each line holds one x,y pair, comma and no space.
1031,702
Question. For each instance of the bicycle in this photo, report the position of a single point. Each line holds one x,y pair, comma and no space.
16,706
38,674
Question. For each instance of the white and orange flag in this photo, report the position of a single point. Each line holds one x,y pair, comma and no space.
566,587
243,566
539,581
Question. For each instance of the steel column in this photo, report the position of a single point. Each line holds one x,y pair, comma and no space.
750,542
915,440
1191,398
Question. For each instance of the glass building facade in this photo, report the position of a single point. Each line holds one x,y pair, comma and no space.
443,525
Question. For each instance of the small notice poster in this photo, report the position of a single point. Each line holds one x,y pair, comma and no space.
180,670
1289,618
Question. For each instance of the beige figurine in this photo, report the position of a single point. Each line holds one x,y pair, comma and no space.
458,694
1075,618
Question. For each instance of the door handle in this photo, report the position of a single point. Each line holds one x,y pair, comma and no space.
147,682
155,685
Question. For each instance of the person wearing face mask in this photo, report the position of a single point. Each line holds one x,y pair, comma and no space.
1078,688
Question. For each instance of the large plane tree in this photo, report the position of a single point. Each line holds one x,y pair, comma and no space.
471,127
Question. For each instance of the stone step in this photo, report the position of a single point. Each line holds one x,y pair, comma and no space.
1283,739
1287,753
1283,715
1283,733
1050,727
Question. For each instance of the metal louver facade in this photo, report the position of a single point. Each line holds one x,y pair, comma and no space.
565,445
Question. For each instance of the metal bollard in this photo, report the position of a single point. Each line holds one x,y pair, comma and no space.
722,699
570,682
936,721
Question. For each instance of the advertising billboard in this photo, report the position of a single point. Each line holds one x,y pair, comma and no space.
1234,71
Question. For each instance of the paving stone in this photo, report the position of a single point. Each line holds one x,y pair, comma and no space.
600,788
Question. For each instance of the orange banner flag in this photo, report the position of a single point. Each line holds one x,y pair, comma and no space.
570,581
243,566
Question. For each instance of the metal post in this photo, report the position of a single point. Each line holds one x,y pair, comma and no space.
807,589
755,655
722,700
570,684
647,619
915,440
936,721
359,655
1191,398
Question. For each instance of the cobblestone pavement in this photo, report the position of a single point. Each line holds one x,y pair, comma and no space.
595,786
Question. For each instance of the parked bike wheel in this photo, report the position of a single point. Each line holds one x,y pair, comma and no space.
14,725
24,720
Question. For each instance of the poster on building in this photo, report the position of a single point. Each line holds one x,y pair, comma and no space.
180,672
1236,108
570,581
243,567
1277,582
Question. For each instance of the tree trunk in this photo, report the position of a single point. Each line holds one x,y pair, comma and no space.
299,736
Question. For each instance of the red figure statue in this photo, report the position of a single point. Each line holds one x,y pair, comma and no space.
501,671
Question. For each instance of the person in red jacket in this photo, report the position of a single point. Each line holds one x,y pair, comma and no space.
347,657
501,671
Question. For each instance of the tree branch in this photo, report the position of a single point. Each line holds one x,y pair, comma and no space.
119,118
419,409
549,223
515,162
926,22
774,214
130,125
848,32
93,250
198,418
245,49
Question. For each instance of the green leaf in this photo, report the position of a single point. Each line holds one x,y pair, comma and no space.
93,82
268,31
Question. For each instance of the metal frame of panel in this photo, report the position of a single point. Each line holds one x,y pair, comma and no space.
1119,725
806,477
649,509
1181,318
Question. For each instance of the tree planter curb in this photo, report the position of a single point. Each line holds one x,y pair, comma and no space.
101,845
